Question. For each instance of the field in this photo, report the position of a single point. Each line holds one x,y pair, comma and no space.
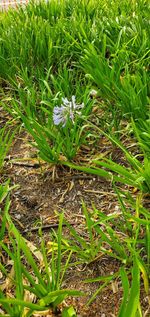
75,159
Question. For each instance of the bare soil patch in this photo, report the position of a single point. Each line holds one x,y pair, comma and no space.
44,189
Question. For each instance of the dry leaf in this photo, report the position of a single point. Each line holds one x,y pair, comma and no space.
28,297
36,252
71,185
114,285
47,313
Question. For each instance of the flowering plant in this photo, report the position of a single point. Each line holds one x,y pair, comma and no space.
60,130
68,119
66,111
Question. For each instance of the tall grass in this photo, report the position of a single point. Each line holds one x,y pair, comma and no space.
65,48
117,235
59,49
55,33
42,281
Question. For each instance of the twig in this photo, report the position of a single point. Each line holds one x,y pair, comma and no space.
81,177
25,164
34,165
99,192
50,226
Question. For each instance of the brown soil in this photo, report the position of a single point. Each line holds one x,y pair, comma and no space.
43,191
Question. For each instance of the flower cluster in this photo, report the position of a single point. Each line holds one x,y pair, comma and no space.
68,109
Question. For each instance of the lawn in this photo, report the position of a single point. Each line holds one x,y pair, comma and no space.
75,159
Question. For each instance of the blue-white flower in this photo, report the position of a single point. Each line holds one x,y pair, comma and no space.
67,110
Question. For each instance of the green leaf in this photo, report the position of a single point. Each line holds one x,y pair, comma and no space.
134,295
69,312
53,295
125,285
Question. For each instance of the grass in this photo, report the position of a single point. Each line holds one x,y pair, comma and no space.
56,50
6,138
44,285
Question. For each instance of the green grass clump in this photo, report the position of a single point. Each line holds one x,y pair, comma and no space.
50,52
33,273
56,49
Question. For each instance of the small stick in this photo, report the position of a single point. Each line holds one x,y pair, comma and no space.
99,192
50,226
80,177
34,165
25,164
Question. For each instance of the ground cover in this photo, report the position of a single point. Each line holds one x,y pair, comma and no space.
74,159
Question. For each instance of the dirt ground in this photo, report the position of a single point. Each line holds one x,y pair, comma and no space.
43,190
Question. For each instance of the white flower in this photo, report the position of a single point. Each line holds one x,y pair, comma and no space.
68,109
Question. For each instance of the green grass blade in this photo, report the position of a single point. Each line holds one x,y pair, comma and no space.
134,297
125,285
